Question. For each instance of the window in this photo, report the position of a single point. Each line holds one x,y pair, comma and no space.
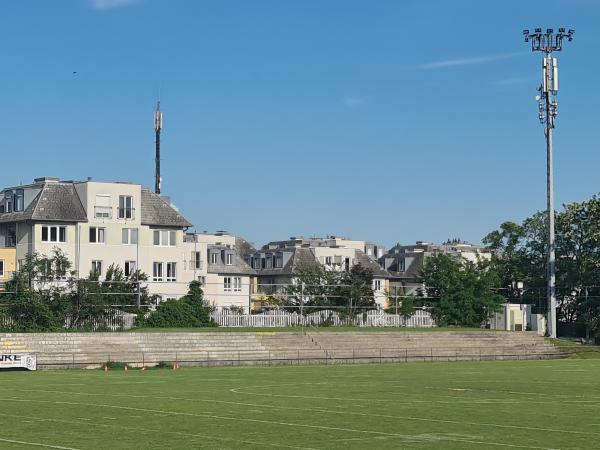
196,260
157,271
237,284
54,233
377,285
130,267
165,238
171,271
227,283
8,198
328,260
279,260
269,262
97,268
214,258
19,201
102,209
229,259
2,268
125,207
97,235
202,280
129,236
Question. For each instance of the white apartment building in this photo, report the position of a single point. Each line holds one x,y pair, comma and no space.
97,224
217,262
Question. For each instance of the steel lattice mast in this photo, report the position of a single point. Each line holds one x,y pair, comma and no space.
549,42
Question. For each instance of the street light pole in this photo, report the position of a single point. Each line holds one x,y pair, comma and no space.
547,43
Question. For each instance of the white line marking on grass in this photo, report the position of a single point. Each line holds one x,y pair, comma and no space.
379,434
148,430
37,444
245,419
441,438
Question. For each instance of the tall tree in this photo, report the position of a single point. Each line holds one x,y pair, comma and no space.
460,292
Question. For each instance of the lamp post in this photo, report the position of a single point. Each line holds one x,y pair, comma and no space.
549,42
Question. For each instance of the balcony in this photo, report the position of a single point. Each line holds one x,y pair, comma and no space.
126,213
103,212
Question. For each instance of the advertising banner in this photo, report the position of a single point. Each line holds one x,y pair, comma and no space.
18,361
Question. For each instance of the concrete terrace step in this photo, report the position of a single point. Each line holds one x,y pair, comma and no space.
56,350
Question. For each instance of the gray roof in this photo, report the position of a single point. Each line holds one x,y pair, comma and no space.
239,267
56,202
244,247
157,211
301,257
366,261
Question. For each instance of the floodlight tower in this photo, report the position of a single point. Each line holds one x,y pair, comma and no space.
547,43
158,120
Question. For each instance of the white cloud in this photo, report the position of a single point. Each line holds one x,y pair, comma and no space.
465,61
109,4
352,102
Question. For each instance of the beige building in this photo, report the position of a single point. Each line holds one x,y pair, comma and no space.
216,261
97,224
277,261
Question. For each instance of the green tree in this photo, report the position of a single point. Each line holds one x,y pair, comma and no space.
357,294
460,292
314,287
190,311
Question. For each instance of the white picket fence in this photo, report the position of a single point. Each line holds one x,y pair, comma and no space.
279,318
119,320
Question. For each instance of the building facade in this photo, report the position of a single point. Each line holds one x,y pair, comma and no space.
404,262
277,262
96,225
217,262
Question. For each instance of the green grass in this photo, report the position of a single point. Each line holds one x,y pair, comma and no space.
455,405
577,350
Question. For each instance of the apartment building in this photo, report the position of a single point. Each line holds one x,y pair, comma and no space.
277,262
97,224
216,260
404,262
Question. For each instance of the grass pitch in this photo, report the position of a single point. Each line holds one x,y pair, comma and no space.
463,405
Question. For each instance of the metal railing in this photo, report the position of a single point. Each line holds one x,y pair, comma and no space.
357,355
103,212
126,213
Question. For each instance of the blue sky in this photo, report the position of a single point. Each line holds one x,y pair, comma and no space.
389,121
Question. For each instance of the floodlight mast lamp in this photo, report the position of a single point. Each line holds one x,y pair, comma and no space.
548,42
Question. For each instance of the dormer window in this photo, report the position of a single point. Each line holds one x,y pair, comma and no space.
19,200
229,259
214,257
8,199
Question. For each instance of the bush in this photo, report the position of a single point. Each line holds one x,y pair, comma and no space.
190,311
